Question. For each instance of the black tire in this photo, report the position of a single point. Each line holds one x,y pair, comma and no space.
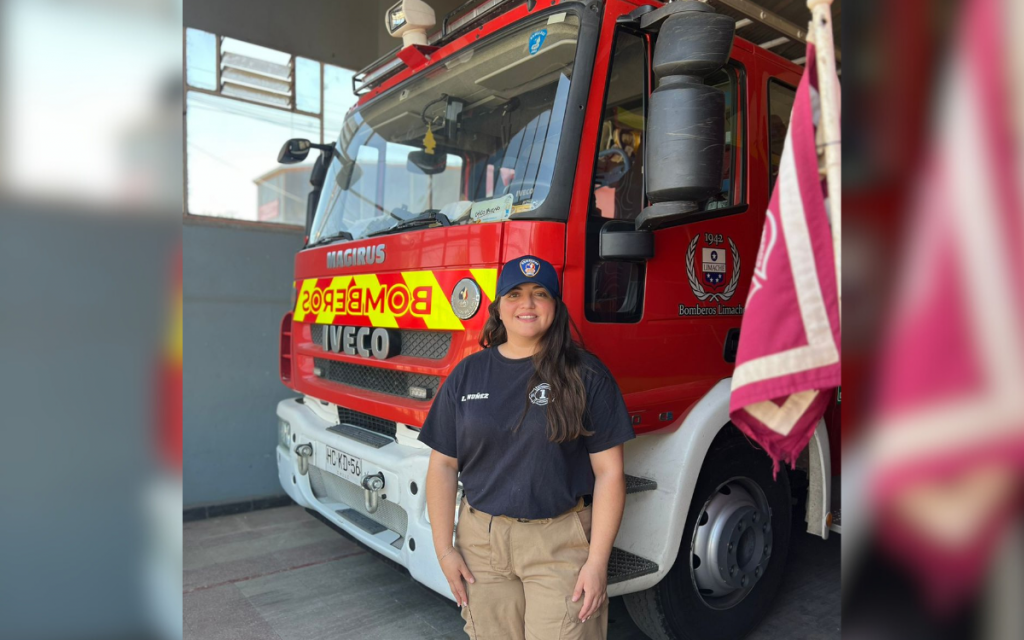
673,609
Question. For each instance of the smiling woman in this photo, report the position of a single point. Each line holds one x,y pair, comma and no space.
542,483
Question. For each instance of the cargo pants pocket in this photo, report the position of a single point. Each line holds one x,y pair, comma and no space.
572,629
582,520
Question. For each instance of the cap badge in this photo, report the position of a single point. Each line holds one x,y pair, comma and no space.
529,267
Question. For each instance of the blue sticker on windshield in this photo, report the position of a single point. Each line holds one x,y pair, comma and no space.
536,40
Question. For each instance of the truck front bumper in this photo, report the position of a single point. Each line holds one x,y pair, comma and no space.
398,529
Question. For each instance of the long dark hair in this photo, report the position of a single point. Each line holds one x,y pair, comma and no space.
559,363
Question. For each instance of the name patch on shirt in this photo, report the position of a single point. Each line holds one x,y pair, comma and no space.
475,396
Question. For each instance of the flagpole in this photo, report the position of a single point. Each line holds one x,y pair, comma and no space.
821,32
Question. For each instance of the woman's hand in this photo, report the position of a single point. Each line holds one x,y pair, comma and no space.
442,482
455,569
593,585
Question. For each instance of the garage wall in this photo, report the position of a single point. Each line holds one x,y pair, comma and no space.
237,285
237,278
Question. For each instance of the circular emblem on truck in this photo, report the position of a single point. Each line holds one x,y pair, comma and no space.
466,299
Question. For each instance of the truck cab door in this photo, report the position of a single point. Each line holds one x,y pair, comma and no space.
632,313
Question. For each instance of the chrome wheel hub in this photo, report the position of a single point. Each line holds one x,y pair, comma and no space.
732,543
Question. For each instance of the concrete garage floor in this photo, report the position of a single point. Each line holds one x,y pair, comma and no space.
281,574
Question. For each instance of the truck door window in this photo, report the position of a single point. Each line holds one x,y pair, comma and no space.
780,105
618,173
727,80
615,289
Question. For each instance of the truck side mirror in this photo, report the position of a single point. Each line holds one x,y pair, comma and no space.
620,240
686,118
294,151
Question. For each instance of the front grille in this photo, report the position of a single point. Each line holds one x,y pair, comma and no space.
395,383
368,422
327,485
430,345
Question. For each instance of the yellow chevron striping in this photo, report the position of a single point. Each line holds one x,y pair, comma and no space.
305,290
372,286
327,316
441,315
487,279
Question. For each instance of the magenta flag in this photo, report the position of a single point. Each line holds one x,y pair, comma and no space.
788,359
946,445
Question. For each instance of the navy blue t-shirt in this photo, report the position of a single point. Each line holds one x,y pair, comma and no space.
521,474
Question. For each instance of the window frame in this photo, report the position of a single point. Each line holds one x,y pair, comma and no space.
741,127
591,258
646,98
768,123
189,217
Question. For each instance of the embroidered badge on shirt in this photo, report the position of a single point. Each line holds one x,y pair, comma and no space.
541,394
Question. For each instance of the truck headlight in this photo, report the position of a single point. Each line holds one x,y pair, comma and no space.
284,433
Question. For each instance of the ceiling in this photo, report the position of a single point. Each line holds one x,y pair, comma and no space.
350,33
794,11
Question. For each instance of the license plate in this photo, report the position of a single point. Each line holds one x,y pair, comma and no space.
342,464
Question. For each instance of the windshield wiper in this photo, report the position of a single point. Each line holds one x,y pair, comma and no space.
429,216
341,235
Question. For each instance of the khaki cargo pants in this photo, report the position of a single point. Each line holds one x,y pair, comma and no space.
525,573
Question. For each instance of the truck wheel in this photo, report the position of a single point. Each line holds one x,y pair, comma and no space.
733,550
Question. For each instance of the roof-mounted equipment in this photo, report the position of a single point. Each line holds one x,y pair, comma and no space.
409,20
460,19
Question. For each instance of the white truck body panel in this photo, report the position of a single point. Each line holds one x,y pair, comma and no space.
400,465
653,521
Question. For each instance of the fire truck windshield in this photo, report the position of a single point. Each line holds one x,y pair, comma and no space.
473,138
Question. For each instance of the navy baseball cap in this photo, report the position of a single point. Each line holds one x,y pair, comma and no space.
528,269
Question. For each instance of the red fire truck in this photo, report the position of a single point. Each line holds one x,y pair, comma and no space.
631,144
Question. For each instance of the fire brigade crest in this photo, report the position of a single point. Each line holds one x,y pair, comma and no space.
713,266
713,271
529,267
